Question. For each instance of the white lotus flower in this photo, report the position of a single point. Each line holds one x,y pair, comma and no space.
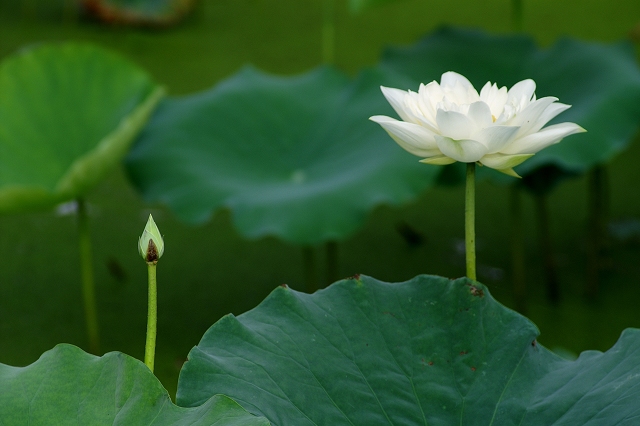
450,122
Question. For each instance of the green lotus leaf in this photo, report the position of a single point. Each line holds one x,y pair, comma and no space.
601,82
295,157
67,386
68,114
429,351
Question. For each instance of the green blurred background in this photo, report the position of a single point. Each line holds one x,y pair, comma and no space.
209,271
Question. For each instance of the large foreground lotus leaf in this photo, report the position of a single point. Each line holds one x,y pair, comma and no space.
68,114
601,82
294,157
430,351
67,386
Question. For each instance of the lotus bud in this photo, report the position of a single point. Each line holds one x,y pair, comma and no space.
151,244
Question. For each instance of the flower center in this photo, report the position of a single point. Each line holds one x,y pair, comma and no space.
493,117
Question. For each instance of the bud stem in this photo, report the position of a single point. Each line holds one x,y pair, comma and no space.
469,220
152,318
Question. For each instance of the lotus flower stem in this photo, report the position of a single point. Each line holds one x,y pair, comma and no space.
450,121
152,318
469,220
88,286
328,32
517,250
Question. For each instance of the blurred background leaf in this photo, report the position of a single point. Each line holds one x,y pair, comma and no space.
601,82
69,114
292,157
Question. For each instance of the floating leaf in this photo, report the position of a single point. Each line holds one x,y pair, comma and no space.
475,54
68,114
602,82
138,12
294,157
67,386
427,351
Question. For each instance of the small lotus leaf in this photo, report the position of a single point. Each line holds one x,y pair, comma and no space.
294,157
67,386
68,114
430,351
600,81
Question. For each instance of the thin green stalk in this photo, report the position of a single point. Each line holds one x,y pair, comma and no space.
309,269
88,286
328,32
152,318
332,261
517,250
516,15
470,220
597,219
546,248
28,10
70,12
